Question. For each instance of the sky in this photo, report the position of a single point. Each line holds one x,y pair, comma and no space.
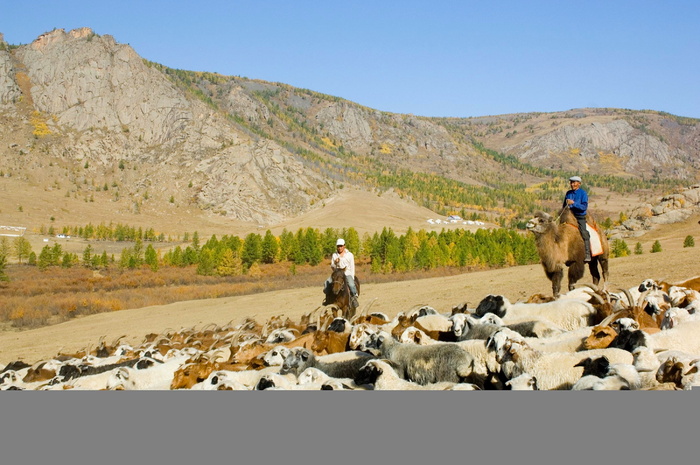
459,58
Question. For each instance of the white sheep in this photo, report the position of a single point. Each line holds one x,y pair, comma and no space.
278,336
675,316
413,335
524,382
683,337
276,356
553,370
434,322
313,375
566,314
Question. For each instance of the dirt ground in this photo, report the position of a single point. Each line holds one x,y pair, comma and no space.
673,263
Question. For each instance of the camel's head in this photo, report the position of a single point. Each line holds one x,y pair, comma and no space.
539,223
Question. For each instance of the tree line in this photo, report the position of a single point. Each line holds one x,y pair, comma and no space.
231,255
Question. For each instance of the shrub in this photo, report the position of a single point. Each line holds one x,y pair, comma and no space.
689,241
619,248
656,247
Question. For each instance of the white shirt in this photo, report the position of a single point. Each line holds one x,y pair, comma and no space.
347,261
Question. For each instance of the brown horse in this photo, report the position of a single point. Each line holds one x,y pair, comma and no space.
339,293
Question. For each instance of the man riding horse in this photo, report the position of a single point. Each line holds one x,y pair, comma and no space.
342,259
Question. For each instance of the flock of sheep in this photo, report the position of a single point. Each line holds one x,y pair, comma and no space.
646,337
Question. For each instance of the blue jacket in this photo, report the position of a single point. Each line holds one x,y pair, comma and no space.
580,198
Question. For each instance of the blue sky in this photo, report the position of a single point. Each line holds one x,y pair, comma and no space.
430,58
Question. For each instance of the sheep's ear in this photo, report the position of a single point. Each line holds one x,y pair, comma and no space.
692,370
533,382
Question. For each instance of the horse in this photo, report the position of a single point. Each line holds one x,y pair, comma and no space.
339,293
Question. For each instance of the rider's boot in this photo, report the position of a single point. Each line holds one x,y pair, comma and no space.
353,302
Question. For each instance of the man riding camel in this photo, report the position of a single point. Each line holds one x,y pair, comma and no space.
344,259
576,200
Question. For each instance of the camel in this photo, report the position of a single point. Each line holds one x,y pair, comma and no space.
560,245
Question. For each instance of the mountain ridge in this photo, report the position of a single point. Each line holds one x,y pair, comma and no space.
88,118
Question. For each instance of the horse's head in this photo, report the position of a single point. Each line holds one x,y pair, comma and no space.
338,280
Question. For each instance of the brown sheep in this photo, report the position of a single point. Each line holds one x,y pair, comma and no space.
560,245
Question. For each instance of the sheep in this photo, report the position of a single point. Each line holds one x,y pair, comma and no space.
675,316
554,370
246,378
568,341
383,376
276,380
278,336
567,314
346,367
421,310
158,376
413,335
683,337
524,382
359,334
679,369
423,364
486,369
313,375
339,325
600,374
276,356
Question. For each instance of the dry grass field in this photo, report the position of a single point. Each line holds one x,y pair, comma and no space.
673,263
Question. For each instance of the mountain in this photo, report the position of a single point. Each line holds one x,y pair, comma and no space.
85,117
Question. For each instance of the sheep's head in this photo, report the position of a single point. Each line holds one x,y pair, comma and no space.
297,360
359,335
371,371
374,343
597,366
524,382
670,371
496,304
312,375
459,321
275,356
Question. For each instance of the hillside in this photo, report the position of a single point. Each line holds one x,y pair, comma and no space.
90,131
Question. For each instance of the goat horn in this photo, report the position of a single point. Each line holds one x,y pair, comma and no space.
643,296
606,321
631,301
597,297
